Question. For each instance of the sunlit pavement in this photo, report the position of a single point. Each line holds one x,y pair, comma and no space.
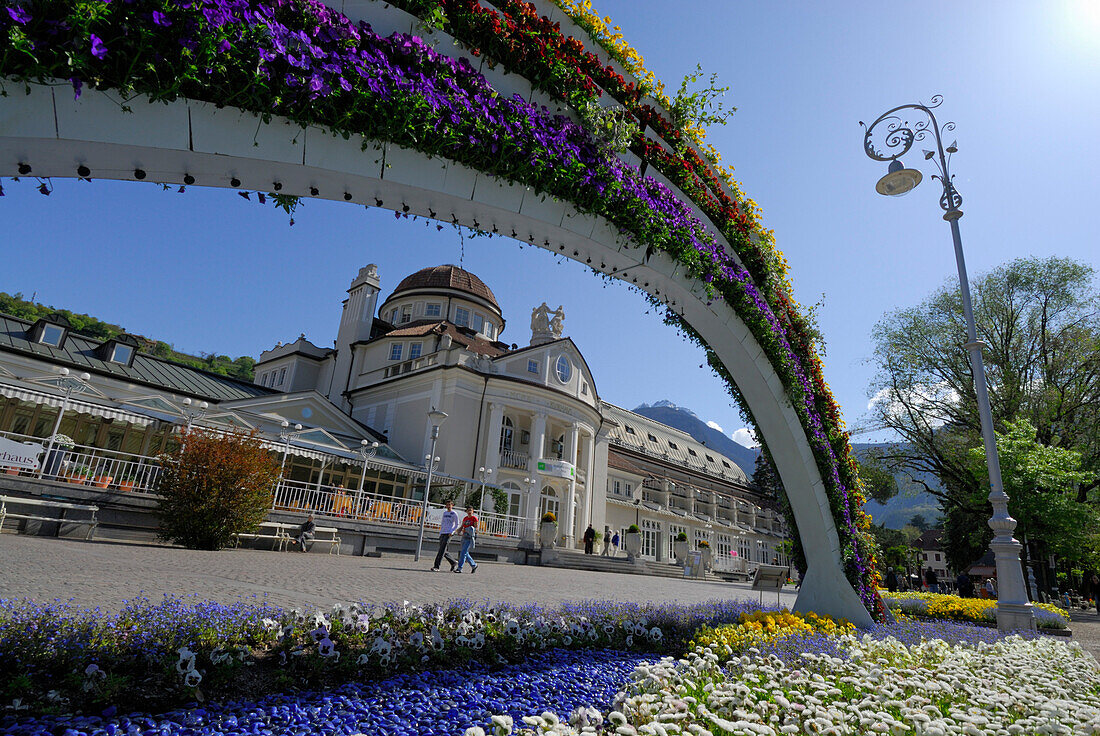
105,574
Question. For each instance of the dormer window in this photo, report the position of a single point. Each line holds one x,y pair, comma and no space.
651,437
629,430
120,349
52,330
462,317
478,323
406,313
431,309
710,459
673,445
122,354
692,452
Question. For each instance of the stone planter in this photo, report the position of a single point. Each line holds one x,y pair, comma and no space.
548,535
708,557
680,550
632,543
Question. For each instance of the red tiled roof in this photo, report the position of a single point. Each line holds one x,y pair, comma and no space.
447,277
474,343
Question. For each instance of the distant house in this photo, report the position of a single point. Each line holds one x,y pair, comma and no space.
932,554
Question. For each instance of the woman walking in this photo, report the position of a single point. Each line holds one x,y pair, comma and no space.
469,536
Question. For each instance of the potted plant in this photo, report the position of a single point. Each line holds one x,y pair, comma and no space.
680,548
548,532
126,480
55,462
632,542
102,476
708,555
78,474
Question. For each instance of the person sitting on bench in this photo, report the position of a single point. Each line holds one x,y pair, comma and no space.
305,533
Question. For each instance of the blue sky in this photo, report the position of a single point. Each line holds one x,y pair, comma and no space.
210,272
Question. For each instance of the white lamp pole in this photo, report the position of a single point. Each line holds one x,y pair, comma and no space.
286,436
1014,612
193,415
482,473
367,451
436,417
71,386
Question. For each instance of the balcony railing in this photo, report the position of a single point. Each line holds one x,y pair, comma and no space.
513,459
120,471
91,466
338,503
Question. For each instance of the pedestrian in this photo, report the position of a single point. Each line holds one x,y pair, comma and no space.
447,526
606,540
1096,590
892,580
589,539
469,536
991,588
932,580
965,585
615,545
305,533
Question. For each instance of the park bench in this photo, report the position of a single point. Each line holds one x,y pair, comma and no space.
321,535
39,508
277,532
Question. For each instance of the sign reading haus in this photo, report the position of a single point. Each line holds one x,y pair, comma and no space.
19,454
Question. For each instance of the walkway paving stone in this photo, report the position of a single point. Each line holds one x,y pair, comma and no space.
105,574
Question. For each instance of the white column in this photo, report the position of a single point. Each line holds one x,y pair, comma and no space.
537,446
569,535
492,448
590,482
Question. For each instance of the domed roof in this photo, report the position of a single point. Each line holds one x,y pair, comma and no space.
447,277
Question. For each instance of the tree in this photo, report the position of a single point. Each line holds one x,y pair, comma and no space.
1042,485
1040,319
920,522
766,478
879,483
213,486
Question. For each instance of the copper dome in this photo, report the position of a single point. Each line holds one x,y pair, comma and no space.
446,277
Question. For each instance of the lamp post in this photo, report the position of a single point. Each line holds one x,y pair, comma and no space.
897,136
437,418
69,386
193,416
286,436
367,451
483,474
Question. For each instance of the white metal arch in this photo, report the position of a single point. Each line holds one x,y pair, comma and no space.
187,142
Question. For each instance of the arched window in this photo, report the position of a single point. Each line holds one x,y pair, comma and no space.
507,433
548,501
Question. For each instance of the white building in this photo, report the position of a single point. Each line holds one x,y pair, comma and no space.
531,414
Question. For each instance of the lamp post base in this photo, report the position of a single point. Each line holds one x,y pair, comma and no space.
1014,612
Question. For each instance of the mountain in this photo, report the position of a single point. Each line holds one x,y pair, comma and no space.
911,499
688,421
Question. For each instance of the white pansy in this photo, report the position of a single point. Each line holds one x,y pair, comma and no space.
186,662
192,678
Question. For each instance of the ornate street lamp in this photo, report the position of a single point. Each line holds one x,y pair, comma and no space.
286,436
437,418
191,415
367,451
483,474
69,386
896,137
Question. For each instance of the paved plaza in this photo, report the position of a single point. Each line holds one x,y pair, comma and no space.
105,574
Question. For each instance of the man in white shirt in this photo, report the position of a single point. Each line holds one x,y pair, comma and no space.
447,527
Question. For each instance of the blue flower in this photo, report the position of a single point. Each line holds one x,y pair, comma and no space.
98,49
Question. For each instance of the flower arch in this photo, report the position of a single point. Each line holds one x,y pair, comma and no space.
384,106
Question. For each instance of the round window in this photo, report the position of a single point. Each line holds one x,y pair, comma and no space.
564,368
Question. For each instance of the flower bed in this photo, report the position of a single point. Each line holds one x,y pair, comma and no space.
60,656
897,680
977,610
302,60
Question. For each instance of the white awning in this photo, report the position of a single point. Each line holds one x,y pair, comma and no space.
75,405
385,465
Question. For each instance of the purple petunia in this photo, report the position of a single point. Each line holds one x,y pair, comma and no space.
161,19
19,14
98,49
78,85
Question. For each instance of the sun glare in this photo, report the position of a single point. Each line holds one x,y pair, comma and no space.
1082,21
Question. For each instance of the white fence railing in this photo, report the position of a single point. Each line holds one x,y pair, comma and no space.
126,472
84,465
339,503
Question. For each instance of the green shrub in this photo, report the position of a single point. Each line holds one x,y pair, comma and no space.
681,537
632,529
